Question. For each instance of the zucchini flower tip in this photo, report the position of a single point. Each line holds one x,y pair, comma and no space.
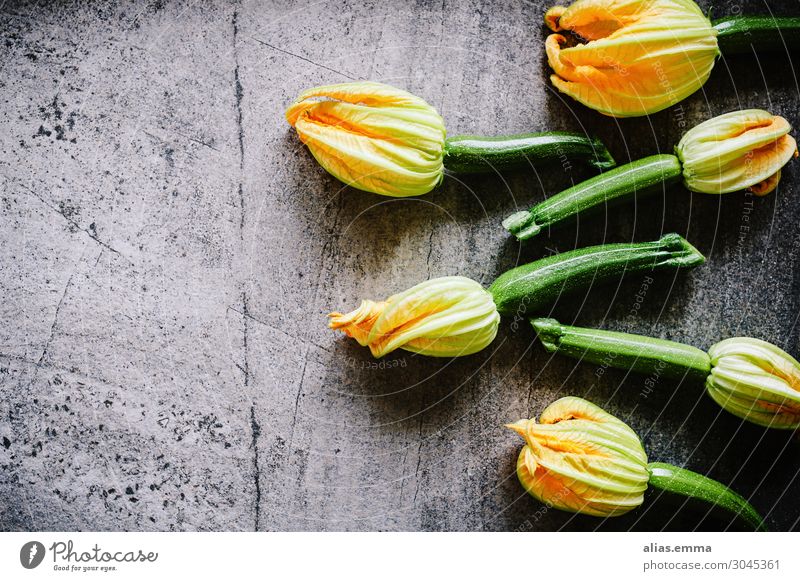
357,323
520,427
633,58
372,136
756,381
580,458
741,150
442,317
552,16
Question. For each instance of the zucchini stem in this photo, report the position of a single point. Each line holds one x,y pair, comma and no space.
692,485
525,289
624,351
474,154
641,176
746,34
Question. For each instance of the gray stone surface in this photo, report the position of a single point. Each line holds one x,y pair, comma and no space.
169,251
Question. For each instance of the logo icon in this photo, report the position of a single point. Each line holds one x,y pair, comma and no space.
31,554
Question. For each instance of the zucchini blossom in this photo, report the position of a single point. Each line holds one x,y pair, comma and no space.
755,381
372,136
750,378
442,317
741,150
634,57
384,140
580,458
736,151
453,315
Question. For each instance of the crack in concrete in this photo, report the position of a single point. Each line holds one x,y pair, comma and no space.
52,333
55,321
302,58
239,93
297,399
72,222
419,462
255,429
430,252
201,142
403,477
277,330
245,332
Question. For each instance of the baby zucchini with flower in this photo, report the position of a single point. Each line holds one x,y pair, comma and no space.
742,150
637,57
384,140
454,315
750,378
579,458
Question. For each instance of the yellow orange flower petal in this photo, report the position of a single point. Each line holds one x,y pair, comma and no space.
635,57
358,323
442,317
372,136
756,381
736,151
580,458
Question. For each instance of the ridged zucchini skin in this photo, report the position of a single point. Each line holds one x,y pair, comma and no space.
475,154
527,289
746,34
624,351
690,484
640,176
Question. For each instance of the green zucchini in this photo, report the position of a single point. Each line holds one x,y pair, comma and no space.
641,176
624,351
474,154
525,289
689,484
748,34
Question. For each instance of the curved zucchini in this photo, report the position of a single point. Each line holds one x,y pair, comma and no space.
640,176
624,350
473,154
696,486
745,34
525,289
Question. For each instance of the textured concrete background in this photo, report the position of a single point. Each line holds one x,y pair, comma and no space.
169,250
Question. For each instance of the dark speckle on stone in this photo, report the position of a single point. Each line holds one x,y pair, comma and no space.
42,132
